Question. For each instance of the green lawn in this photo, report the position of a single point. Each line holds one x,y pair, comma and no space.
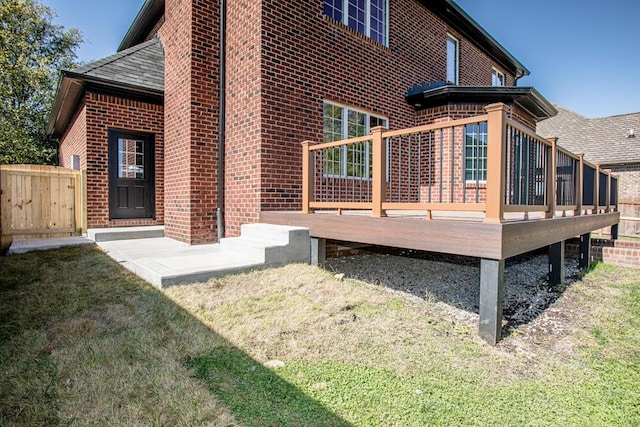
83,342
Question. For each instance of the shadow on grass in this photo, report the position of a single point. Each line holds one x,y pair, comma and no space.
255,395
45,294
527,295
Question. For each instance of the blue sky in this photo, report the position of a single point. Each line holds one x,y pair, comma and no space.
583,55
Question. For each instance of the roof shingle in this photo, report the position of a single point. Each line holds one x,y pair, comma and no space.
603,140
141,65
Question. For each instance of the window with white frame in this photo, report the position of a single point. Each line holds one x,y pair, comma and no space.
497,78
453,57
341,122
368,17
475,152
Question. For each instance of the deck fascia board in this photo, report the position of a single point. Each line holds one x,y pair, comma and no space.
519,237
469,238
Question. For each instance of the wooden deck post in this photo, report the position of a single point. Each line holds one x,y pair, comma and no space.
608,204
496,158
596,190
379,184
307,182
491,298
556,263
551,178
585,251
579,185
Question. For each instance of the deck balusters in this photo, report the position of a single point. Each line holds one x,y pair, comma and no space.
394,170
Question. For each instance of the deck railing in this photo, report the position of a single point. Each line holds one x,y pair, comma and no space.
487,163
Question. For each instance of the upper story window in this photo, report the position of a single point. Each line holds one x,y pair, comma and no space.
341,122
368,17
453,59
497,78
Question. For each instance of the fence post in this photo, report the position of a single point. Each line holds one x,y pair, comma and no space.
579,185
496,159
551,178
379,184
307,182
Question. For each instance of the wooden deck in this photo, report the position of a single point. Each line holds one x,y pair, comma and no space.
451,234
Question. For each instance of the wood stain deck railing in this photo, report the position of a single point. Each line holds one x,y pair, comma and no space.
488,163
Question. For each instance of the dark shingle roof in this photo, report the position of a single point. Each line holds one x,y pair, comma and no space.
141,65
602,140
134,72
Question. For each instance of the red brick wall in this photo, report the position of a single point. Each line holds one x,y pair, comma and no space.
347,68
244,115
102,113
74,140
189,35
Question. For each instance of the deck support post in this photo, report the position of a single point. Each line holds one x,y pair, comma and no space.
585,251
556,263
491,298
614,231
318,251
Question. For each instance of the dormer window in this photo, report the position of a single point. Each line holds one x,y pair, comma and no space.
497,78
367,17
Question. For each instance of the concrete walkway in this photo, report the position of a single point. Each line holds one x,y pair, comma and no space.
163,262
21,246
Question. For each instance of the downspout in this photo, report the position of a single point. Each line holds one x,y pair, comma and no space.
221,118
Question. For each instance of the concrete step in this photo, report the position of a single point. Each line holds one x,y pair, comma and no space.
271,244
164,262
125,233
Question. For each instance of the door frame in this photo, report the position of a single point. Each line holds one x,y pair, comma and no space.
149,138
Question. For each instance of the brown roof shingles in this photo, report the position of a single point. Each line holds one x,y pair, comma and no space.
603,140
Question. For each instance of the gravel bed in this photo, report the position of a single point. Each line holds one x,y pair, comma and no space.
455,280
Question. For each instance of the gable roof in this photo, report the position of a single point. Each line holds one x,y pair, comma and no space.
153,10
603,140
137,71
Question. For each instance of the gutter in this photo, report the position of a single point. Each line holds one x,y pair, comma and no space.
222,113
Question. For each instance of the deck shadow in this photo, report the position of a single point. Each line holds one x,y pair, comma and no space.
455,279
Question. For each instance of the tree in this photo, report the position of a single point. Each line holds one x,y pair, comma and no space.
32,51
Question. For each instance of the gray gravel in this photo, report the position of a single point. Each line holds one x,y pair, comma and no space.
455,280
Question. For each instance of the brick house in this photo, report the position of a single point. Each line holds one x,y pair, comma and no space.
163,144
612,142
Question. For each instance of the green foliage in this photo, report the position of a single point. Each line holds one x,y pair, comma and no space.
32,51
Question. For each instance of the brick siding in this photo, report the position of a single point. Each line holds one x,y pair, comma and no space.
87,135
189,36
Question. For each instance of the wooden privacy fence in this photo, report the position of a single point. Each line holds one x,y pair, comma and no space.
41,201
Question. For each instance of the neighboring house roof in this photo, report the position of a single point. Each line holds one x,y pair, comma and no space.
434,94
605,139
152,11
137,71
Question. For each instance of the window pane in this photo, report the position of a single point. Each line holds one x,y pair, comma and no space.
334,9
452,60
476,152
357,11
378,20
130,158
